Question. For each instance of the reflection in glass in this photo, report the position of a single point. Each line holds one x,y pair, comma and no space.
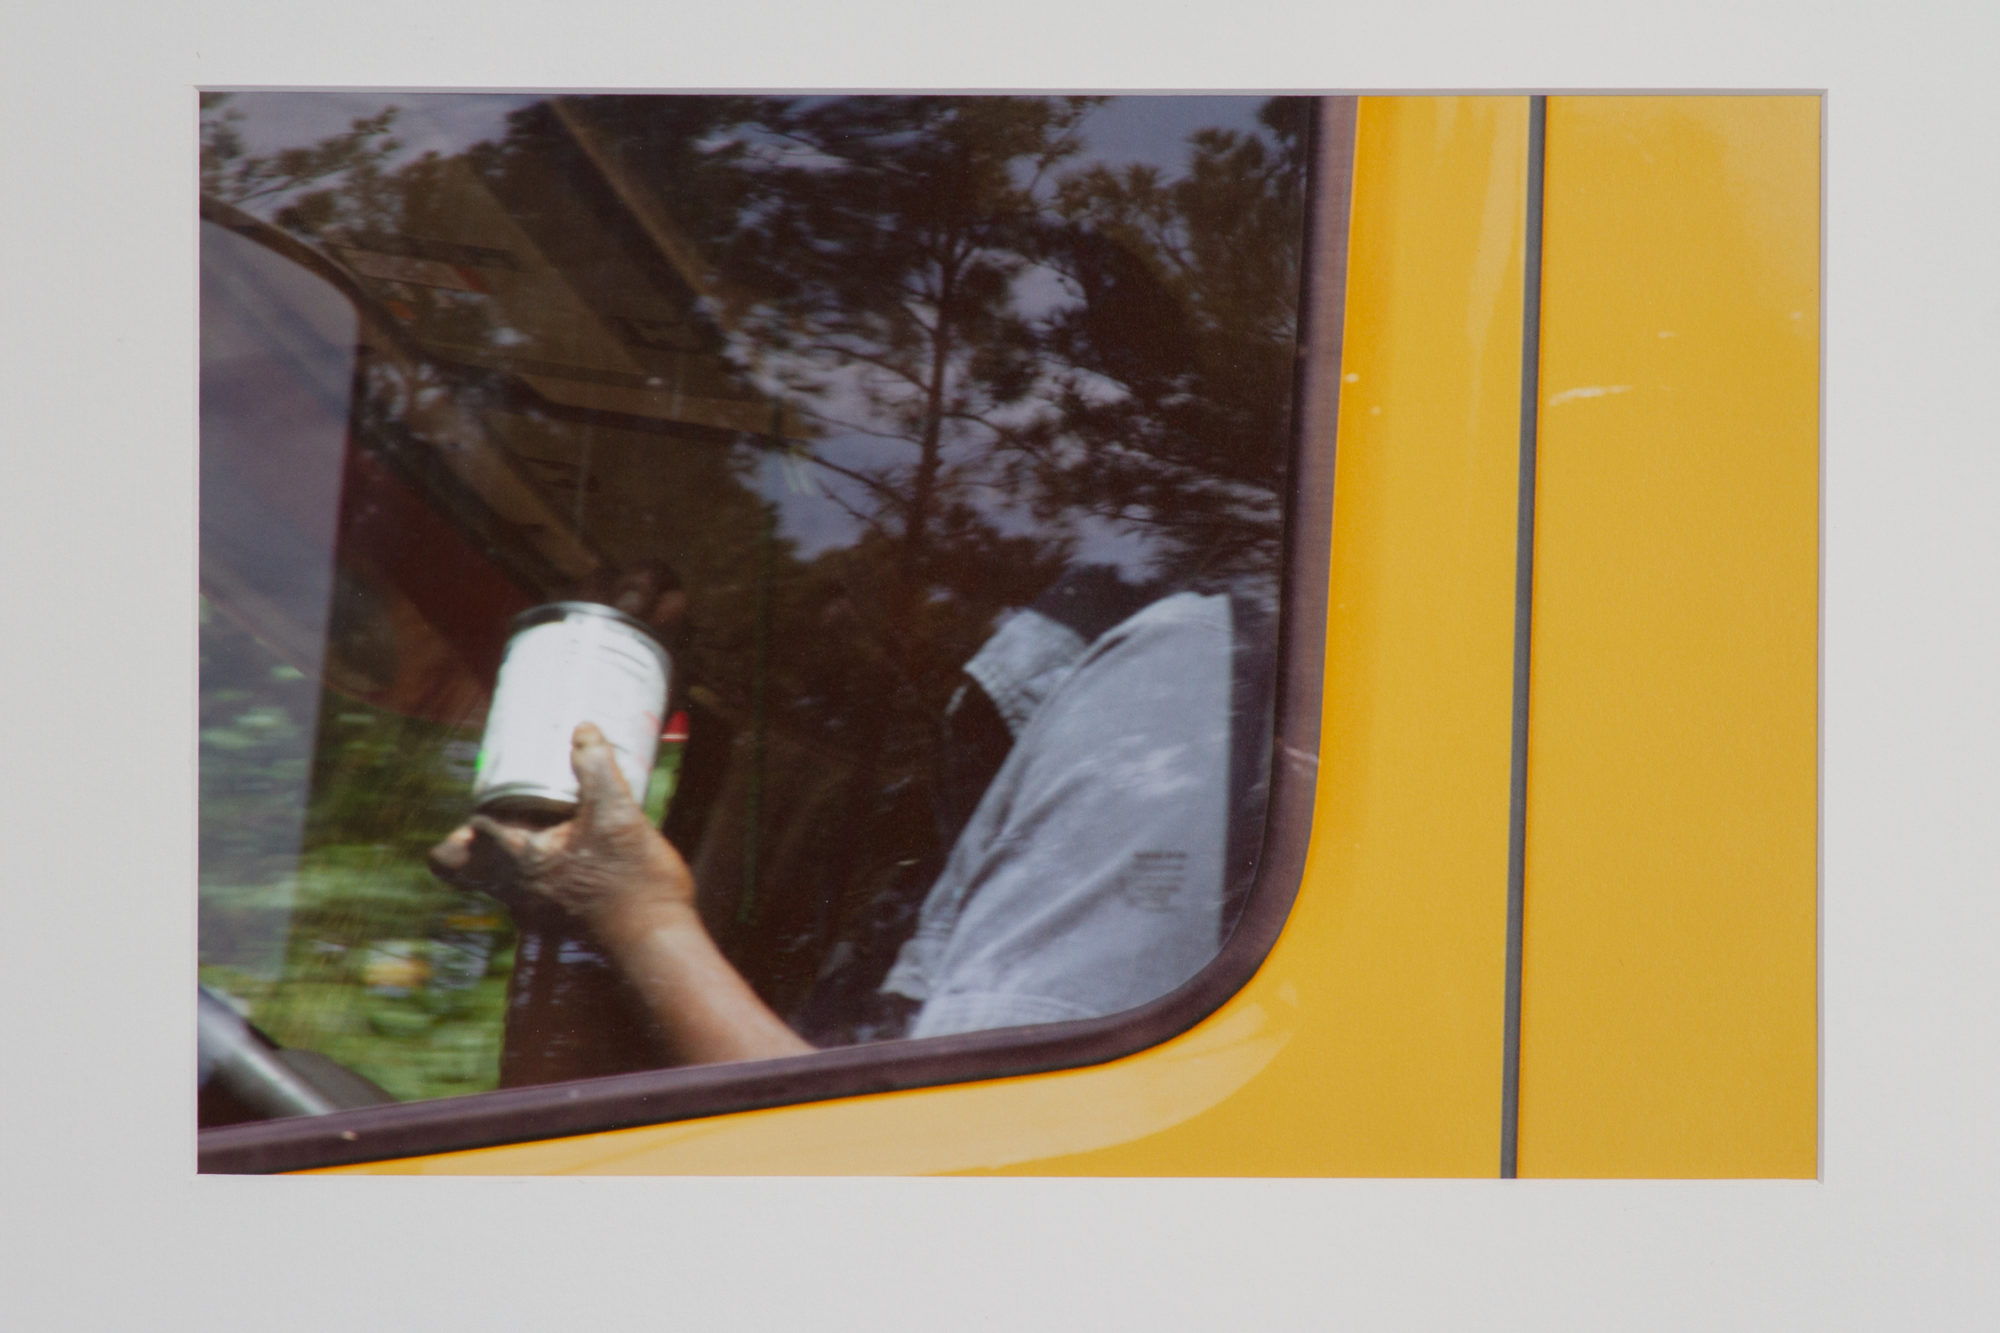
882,382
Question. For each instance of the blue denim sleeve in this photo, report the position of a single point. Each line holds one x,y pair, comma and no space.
1089,880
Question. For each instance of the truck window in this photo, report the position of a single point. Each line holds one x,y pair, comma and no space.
942,443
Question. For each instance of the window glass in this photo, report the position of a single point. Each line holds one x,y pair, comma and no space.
939,442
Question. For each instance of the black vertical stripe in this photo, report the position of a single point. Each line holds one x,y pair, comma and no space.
1524,590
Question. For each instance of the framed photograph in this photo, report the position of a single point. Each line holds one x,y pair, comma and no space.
1278,632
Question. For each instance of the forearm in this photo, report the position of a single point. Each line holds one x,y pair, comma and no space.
708,1012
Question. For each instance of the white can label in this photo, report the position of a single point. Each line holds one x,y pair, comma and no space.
582,668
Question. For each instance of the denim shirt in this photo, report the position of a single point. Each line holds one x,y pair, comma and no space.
1090,876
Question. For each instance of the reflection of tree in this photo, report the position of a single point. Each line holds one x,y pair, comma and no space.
881,241
885,238
1175,370
341,175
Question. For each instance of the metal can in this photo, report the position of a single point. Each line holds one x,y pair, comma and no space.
569,663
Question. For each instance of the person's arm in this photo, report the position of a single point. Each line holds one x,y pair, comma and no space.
610,868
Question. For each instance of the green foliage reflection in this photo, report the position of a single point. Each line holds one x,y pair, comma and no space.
320,916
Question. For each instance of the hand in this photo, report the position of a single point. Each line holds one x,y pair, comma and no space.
604,862
612,869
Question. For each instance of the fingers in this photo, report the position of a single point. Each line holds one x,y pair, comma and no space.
485,855
450,858
600,785
517,844
481,855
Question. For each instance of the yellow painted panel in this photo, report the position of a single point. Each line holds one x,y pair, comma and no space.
1669,1012
1370,1042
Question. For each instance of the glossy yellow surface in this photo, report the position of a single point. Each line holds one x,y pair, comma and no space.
1668,1020
1370,1042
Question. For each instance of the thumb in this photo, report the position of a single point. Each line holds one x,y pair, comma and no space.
600,785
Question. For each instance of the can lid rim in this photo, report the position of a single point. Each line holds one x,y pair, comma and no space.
550,612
